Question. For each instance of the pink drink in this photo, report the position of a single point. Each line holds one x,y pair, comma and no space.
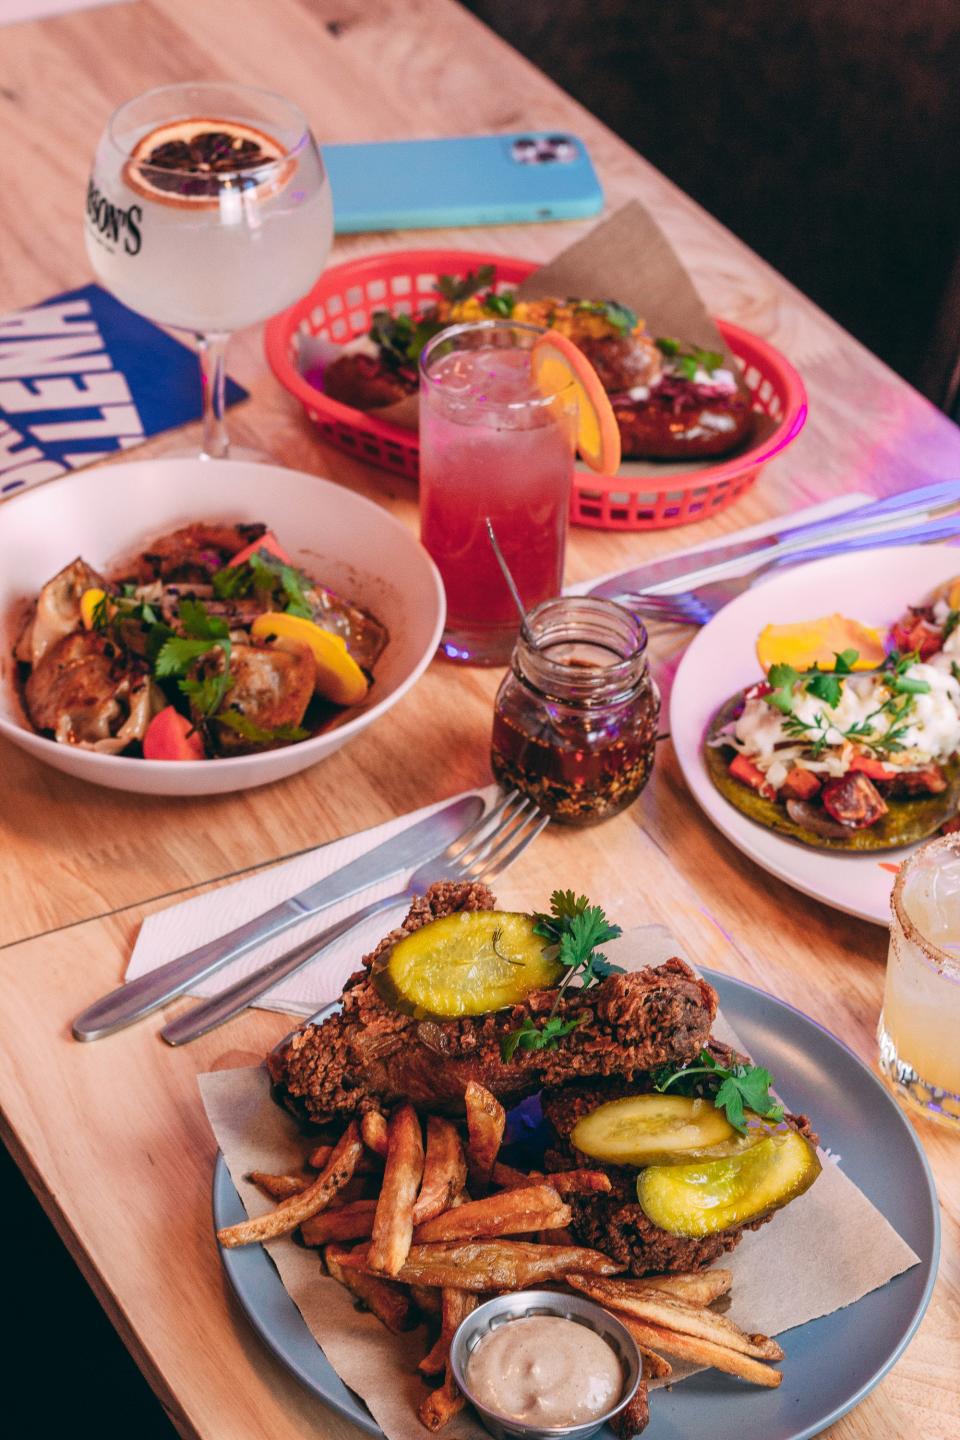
492,445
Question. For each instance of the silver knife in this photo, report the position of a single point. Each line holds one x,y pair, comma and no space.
704,564
411,847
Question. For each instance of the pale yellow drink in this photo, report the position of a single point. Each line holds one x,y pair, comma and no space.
919,1031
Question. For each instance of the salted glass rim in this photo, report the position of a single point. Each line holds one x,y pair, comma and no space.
288,153
474,326
911,931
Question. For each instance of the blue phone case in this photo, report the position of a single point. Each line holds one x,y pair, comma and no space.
477,180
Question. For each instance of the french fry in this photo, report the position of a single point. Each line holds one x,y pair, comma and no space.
480,1265
565,1182
486,1118
655,1367
320,1156
349,1222
317,1196
579,1182
698,1289
444,1170
440,1405
393,1221
507,1212
426,1298
384,1298
279,1187
635,1416
373,1128
456,1306
657,1307
705,1352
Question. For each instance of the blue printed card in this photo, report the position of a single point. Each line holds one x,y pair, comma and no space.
82,377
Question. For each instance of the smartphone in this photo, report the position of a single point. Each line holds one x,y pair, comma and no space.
476,180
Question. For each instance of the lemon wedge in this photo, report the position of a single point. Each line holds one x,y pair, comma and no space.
339,677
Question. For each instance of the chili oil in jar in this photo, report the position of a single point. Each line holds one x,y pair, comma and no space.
575,718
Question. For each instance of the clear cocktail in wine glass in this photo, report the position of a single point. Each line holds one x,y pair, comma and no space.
208,209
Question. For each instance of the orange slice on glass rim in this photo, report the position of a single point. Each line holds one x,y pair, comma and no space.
557,363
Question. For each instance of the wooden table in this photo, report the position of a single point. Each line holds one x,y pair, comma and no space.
112,1136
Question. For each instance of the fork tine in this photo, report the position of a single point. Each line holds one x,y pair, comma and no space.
474,833
503,816
521,838
527,812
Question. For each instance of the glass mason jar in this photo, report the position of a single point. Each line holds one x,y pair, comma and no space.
575,718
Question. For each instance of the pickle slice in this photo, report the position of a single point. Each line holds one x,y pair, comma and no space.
661,1130
703,1197
469,963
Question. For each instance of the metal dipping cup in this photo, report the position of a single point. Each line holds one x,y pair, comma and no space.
507,1308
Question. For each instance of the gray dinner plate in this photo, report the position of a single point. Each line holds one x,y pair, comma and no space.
830,1363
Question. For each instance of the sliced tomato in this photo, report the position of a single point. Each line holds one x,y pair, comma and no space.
853,800
873,769
269,542
800,784
745,771
913,634
171,736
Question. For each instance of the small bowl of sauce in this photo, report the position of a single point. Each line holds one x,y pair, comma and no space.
540,1363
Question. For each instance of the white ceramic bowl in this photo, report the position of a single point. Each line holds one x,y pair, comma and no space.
348,543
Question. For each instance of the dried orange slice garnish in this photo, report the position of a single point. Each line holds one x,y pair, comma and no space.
187,162
557,363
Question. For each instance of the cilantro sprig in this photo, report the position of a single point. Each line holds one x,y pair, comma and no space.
263,574
260,734
574,929
689,361
202,634
733,1089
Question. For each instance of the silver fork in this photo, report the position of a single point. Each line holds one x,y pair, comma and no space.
700,604
485,855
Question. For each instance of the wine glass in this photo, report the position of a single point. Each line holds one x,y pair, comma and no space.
208,209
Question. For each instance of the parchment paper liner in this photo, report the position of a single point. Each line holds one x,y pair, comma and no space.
823,1252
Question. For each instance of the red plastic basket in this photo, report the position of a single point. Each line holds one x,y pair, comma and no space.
341,305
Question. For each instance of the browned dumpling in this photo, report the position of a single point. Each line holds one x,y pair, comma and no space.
87,695
271,687
57,611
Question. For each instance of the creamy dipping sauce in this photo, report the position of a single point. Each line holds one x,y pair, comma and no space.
544,1370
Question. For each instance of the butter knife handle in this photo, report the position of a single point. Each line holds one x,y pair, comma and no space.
139,997
909,502
223,1007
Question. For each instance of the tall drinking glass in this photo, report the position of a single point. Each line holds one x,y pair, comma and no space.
208,209
919,1030
491,444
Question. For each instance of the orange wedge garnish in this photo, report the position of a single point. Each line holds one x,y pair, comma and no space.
557,363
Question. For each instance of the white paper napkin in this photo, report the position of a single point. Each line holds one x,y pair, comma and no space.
182,927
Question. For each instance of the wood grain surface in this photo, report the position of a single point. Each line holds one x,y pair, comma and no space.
112,1135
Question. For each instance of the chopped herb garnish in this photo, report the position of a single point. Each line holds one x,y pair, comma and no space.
263,574
574,929
453,290
202,633
733,1089
261,734
689,361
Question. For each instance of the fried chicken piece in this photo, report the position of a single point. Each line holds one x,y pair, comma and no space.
615,1222
370,1054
